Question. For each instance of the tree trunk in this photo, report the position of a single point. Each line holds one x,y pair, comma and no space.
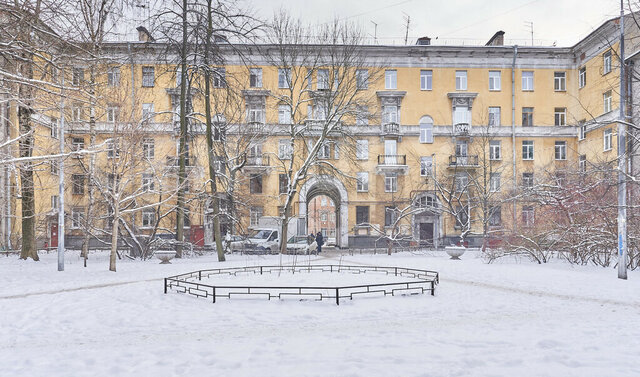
92,162
114,238
29,249
183,133
285,225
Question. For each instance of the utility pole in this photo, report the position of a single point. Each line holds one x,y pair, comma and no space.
529,24
61,181
407,18
622,162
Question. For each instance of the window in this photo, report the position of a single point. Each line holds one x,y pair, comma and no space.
494,80
606,62
462,217
560,81
561,150
462,148
362,115
255,77
494,182
582,77
527,149
113,181
582,163
148,77
362,183
54,128
390,79
77,217
528,216
255,184
77,144
323,79
390,215
148,218
284,77
425,201
390,183
426,166
527,180
284,149
255,213
362,149
148,148
78,76
362,214
77,112
560,116
323,201
461,182
426,132
113,76
255,113
527,116
426,78
147,182
284,114
148,112
608,134
77,181
325,151
582,131
527,80
54,167
362,79
495,216
494,116
494,150
54,201
461,115
113,149
219,77
283,183
112,114
323,217
390,114
606,98
461,80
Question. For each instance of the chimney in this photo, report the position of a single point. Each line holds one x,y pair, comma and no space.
423,41
144,35
497,39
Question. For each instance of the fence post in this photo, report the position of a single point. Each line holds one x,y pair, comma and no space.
396,271
337,297
260,270
165,286
214,295
199,275
433,288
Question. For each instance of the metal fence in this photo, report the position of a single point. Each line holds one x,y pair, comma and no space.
191,283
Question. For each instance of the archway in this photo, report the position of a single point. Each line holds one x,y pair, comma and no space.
332,188
426,223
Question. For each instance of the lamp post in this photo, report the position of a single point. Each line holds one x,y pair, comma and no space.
61,183
622,163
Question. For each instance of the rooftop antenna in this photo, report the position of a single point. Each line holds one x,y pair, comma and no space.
529,24
407,19
375,33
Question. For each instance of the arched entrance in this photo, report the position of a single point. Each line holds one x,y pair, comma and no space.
332,188
427,227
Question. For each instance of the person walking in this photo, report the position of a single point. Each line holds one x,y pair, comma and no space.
319,241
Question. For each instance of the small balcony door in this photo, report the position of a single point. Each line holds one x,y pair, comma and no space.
390,151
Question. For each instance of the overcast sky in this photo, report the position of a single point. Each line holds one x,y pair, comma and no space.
458,21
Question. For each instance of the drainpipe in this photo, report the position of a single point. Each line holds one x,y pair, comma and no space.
133,87
513,130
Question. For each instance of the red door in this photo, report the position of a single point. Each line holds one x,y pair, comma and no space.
197,235
54,235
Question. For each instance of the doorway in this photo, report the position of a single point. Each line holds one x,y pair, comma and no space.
426,233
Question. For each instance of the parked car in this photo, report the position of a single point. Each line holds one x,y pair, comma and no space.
299,245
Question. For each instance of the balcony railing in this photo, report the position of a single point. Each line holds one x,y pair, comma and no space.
255,127
392,159
258,161
461,129
469,161
173,161
391,128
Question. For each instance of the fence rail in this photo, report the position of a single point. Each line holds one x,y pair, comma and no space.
190,283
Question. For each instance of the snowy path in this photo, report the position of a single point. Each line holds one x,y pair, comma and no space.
485,320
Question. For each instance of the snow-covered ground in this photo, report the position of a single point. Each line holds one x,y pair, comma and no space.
505,319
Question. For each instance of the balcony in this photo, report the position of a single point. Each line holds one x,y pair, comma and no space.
173,162
255,128
463,161
391,129
392,163
461,129
257,163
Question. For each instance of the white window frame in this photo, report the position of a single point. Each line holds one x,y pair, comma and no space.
560,81
607,139
495,150
284,114
582,163
390,183
148,76
148,183
527,180
284,78
219,77
560,150
112,114
390,114
148,112
461,80
77,215
426,133
582,132
531,117
426,166
560,116
255,213
362,115
527,81
322,77
324,152
461,115
255,113
607,101
426,79
362,181
494,116
255,77
113,148
55,131
148,218
284,149
461,182
582,77
495,80
148,148
55,201
362,79
494,182
606,62
528,216
362,149
391,79
113,77
528,150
